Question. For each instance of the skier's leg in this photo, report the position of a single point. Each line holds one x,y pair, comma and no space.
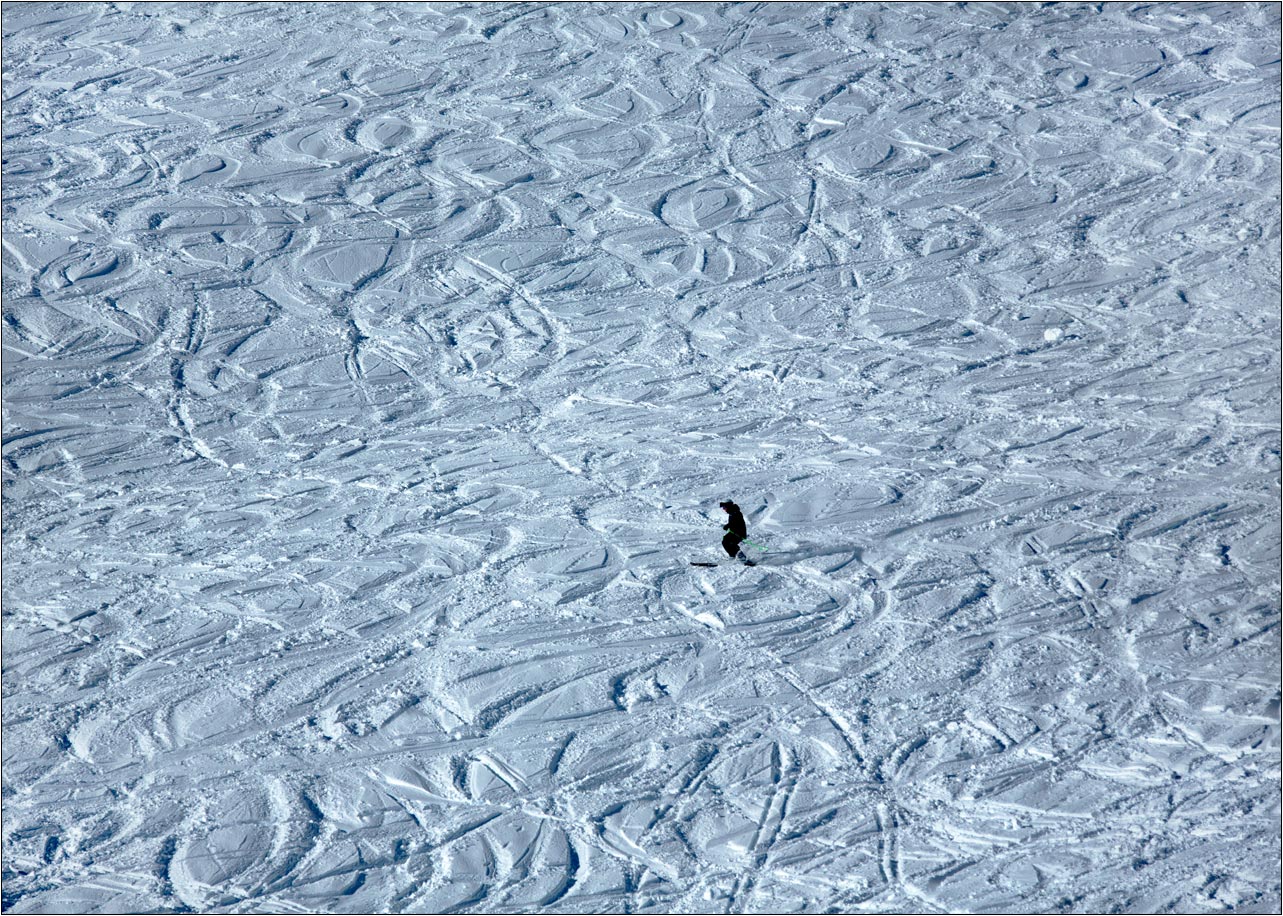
731,544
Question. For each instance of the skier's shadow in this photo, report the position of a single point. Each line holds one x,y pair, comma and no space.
853,553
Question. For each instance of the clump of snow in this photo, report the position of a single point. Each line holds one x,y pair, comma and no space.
373,373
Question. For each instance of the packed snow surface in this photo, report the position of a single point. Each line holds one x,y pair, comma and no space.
373,373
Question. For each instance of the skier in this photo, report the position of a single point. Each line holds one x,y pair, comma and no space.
736,531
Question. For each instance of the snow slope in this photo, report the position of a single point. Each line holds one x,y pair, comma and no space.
372,373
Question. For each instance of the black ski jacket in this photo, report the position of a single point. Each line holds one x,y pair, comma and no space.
735,524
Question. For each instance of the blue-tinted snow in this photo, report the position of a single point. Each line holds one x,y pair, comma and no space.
373,372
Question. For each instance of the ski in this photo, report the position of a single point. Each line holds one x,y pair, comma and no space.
742,560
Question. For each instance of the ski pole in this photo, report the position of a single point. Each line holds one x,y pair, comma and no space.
755,544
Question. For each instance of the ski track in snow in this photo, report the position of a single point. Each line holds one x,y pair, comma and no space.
373,373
